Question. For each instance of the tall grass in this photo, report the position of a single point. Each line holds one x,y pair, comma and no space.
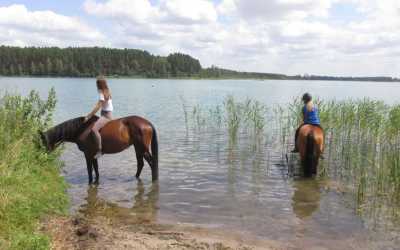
362,149
237,117
362,141
30,184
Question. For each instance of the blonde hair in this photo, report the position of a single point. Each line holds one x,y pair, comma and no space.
101,83
310,105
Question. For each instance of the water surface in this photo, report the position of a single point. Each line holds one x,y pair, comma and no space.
203,179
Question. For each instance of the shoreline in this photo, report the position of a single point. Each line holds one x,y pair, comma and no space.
73,232
198,78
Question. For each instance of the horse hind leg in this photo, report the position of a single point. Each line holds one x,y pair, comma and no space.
154,171
140,163
147,156
315,164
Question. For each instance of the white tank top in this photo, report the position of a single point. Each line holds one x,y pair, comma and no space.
107,105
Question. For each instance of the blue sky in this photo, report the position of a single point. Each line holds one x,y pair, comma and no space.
329,37
69,7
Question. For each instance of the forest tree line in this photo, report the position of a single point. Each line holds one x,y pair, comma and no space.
93,61
81,62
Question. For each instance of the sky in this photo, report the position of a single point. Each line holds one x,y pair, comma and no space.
323,37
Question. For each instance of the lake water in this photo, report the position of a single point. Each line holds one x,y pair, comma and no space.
202,180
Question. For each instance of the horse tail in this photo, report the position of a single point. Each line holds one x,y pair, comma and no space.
154,153
309,155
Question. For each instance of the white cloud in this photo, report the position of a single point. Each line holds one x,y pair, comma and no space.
284,36
196,11
287,36
275,9
141,11
134,10
22,27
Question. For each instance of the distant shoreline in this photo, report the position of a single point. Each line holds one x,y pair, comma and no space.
339,79
133,64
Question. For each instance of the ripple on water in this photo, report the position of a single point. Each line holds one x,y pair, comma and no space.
203,178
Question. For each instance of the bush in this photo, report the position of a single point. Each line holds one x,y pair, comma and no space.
30,184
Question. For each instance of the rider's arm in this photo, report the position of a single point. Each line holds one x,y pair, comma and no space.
94,111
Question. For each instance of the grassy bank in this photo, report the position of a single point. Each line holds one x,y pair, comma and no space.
30,184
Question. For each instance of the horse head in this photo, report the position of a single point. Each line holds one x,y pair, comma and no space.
65,131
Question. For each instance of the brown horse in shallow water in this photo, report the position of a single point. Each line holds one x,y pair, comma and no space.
310,143
117,135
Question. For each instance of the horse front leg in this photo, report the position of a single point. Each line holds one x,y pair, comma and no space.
89,164
96,171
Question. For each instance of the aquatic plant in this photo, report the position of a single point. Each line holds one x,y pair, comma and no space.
362,149
185,112
362,141
236,117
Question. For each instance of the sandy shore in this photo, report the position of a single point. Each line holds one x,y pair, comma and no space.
79,233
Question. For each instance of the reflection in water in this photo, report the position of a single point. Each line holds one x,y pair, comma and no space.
144,208
204,178
306,197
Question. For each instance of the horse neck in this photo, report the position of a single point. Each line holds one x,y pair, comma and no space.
66,131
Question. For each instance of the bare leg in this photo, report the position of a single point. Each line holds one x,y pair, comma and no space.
101,122
97,139
296,150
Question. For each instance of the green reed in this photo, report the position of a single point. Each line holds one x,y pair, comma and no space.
185,112
247,117
362,141
362,147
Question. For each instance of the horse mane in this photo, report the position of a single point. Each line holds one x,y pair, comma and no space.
68,130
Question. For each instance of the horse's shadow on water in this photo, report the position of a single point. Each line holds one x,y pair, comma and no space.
306,197
143,210
307,191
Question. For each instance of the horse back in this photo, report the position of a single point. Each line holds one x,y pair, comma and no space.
315,133
120,133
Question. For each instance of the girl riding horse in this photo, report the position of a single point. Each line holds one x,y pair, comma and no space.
309,138
310,116
105,103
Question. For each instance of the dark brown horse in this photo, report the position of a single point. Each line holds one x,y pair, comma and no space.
117,135
310,143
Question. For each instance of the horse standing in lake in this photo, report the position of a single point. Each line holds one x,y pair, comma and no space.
117,135
310,143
